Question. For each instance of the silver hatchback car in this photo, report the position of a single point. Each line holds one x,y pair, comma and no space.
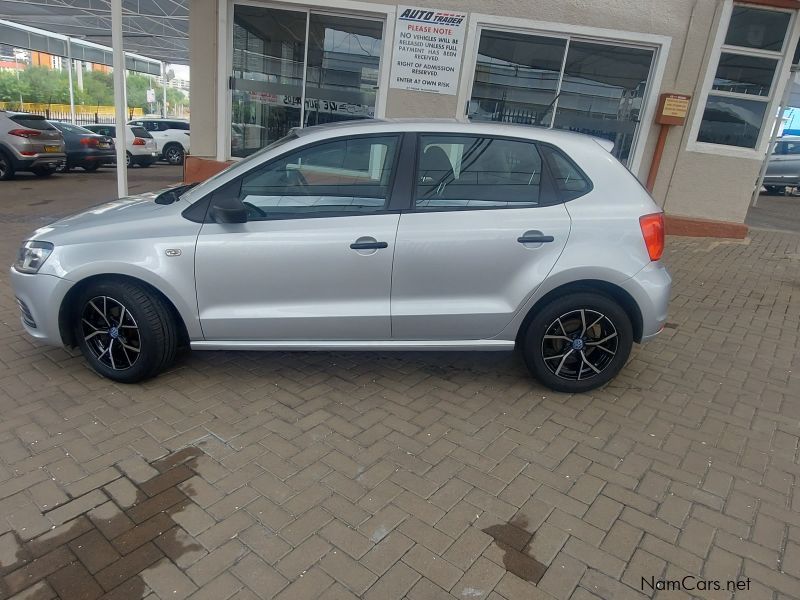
374,235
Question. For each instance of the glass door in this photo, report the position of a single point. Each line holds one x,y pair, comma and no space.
295,68
591,87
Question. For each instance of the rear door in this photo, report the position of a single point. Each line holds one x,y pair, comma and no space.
485,230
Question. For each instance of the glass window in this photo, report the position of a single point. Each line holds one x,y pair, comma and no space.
350,175
732,121
342,73
32,122
77,130
603,91
516,77
139,132
270,61
757,28
570,182
466,172
743,74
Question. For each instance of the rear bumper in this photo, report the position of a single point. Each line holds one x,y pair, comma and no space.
651,288
91,157
39,297
40,160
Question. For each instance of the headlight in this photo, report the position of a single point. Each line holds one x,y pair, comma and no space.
32,255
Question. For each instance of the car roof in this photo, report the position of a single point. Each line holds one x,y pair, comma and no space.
447,125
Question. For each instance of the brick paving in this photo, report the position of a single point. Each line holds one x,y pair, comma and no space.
420,476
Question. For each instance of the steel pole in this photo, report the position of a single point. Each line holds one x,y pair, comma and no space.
71,90
120,97
164,89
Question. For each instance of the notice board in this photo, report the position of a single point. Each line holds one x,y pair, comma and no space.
428,45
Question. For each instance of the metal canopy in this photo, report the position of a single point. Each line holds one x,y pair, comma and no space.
155,28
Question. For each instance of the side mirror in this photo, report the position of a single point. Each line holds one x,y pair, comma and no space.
224,214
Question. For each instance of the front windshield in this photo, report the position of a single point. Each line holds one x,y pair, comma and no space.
256,155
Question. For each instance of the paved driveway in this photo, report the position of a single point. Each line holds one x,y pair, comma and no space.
426,476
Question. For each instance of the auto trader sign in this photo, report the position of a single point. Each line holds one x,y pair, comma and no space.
427,52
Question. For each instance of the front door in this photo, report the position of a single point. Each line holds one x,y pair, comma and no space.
485,231
314,259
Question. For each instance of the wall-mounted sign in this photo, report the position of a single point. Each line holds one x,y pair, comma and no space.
151,95
427,50
672,109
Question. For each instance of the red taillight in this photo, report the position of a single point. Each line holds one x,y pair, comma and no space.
139,142
653,234
26,133
87,141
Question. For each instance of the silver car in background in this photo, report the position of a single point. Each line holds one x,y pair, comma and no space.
783,168
29,143
374,235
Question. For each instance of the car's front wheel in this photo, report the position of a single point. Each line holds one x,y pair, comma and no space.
173,154
125,330
578,342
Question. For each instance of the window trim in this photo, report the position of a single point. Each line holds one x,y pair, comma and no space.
389,205
772,100
547,181
659,43
384,13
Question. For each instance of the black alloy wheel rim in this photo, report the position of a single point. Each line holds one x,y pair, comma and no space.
4,166
111,333
580,344
173,155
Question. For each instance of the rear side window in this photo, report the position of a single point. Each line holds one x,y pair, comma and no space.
33,122
140,132
456,172
103,130
177,125
569,180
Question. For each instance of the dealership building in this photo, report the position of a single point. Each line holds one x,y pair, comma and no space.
599,67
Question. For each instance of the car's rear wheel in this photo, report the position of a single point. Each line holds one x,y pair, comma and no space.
578,342
91,167
128,159
173,154
6,167
125,331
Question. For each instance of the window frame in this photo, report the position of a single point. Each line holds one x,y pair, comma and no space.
231,189
771,101
546,185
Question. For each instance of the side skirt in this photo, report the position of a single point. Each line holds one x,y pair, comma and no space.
325,345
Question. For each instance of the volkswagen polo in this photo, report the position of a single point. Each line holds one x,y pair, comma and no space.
374,235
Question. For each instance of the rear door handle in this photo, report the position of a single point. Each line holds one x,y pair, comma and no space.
535,239
368,245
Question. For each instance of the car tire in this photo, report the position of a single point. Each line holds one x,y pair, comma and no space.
6,167
558,360
63,168
43,171
128,159
91,167
124,317
146,164
775,190
173,154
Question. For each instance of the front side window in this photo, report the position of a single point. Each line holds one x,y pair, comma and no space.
745,76
345,176
469,172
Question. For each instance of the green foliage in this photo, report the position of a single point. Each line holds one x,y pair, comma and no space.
49,86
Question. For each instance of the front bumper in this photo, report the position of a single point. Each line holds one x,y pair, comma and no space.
651,288
41,296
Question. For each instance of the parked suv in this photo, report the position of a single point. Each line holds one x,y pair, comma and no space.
783,168
171,135
366,236
29,143
141,149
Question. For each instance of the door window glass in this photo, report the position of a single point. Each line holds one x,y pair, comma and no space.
270,61
349,175
466,172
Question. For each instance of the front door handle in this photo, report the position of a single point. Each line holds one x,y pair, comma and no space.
368,245
535,238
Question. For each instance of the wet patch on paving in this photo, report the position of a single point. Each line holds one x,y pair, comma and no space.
106,537
513,539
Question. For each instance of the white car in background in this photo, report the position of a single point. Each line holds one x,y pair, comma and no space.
141,148
171,135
